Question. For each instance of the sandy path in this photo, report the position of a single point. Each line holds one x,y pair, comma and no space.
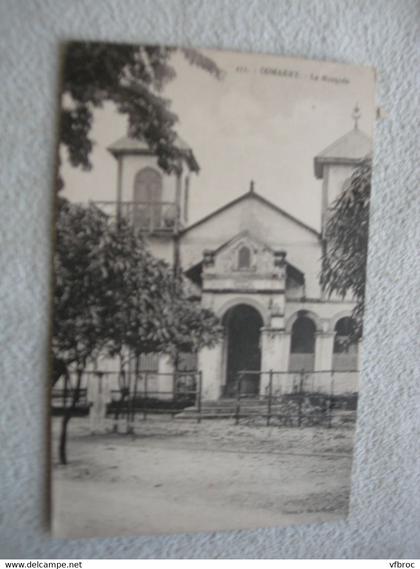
177,478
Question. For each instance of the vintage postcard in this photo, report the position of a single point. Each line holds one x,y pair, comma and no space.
209,267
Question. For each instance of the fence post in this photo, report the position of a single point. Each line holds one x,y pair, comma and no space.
119,409
300,396
146,377
134,399
199,391
238,398
330,402
128,405
270,394
174,383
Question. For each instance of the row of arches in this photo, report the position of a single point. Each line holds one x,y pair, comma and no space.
243,323
302,344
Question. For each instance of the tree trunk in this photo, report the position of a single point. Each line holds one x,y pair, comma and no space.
59,368
62,450
68,413
132,391
177,251
121,386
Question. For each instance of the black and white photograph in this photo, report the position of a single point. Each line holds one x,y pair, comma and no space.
210,246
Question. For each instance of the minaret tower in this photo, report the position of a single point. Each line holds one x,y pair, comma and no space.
156,202
336,163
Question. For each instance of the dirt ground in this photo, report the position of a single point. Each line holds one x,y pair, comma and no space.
180,476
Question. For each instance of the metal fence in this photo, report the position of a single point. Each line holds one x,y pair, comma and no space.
128,394
150,217
296,398
149,392
275,398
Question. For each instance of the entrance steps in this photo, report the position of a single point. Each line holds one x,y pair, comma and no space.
225,408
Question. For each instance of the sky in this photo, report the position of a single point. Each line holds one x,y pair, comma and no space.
265,120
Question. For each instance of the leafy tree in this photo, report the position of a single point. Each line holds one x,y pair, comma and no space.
76,331
148,310
113,296
132,77
80,239
345,253
189,327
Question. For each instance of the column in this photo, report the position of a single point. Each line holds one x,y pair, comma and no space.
324,346
359,355
163,383
210,364
275,348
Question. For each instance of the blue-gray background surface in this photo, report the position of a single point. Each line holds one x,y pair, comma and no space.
385,517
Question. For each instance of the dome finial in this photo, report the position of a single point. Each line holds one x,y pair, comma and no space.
251,187
356,116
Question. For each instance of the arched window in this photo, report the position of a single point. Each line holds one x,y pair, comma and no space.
148,185
345,347
244,258
303,336
302,346
147,205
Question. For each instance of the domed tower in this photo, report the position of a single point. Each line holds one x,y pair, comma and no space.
156,202
336,163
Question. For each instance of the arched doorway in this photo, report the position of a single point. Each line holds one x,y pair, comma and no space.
243,325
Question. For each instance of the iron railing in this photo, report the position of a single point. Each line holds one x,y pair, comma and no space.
286,398
145,392
296,398
148,217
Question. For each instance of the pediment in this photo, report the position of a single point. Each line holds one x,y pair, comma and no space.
246,262
243,254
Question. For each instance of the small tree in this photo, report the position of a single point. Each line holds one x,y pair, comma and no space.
76,334
135,292
189,326
346,236
148,309
113,296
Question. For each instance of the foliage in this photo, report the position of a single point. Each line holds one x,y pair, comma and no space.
147,309
346,237
111,293
77,266
188,326
133,290
132,77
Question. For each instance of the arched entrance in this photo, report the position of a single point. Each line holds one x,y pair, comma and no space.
242,324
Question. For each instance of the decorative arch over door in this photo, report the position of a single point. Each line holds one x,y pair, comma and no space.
242,324
147,198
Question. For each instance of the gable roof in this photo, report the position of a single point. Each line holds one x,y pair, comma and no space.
348,149
251,194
